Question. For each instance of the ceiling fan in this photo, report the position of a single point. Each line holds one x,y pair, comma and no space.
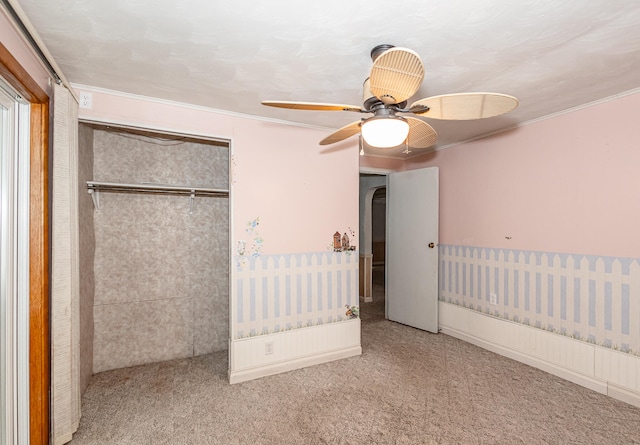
396,75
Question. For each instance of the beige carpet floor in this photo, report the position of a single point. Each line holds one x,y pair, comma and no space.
408,387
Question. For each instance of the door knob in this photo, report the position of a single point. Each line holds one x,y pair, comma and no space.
431,245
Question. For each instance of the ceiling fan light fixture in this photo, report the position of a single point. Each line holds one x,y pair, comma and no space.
385,132
396,75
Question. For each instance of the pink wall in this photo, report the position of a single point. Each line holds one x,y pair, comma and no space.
382,163
16,46
565,184
301,192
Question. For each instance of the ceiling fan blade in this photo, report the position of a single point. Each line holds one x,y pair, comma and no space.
311,106
342,134
421,134
396,75
467,106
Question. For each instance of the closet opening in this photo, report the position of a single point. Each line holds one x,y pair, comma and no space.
154,234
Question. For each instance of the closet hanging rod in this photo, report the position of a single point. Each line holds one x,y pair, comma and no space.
154,188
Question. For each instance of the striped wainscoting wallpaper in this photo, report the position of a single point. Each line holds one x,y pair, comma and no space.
274,293
591,298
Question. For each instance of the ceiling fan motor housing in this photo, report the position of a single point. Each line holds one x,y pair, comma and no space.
369,101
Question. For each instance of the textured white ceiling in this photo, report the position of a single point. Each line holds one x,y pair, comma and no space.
553,55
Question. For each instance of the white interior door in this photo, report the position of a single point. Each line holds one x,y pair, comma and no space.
412,248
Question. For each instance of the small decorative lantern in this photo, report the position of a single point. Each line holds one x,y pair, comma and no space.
337,245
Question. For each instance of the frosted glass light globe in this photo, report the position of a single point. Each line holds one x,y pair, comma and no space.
385,132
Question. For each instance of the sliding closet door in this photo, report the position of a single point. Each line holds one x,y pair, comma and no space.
14,267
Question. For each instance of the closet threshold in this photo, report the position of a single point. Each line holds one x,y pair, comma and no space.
94,187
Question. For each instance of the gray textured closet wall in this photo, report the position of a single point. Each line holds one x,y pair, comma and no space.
161,274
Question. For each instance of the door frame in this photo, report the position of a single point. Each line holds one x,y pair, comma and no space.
366,246
39,253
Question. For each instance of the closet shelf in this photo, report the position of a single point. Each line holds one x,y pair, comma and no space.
94,187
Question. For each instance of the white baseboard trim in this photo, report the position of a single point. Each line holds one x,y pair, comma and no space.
582,380
294,349
600,369
290,365
623,394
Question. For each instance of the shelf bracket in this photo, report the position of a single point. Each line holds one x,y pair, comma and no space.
95,196
192,199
